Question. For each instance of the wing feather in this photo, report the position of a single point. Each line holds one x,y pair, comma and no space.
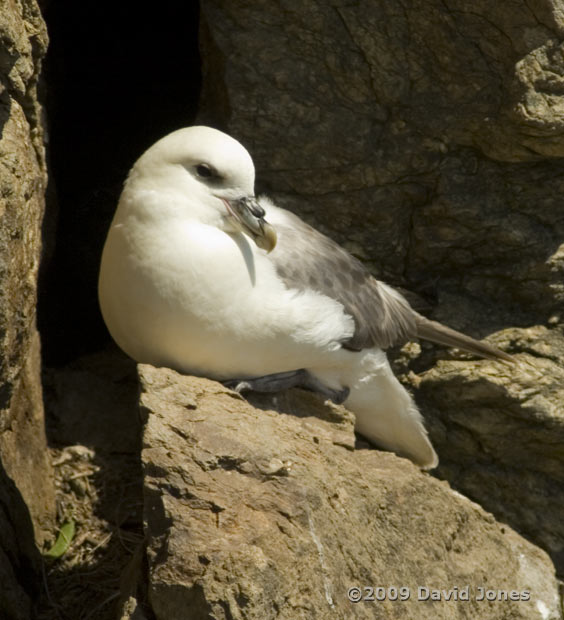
306,259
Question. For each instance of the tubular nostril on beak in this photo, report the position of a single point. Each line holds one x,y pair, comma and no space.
254,207
249,216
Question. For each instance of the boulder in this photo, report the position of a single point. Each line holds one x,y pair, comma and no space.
268,511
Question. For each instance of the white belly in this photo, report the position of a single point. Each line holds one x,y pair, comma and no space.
201,301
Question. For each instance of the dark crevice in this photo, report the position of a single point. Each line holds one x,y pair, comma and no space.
118,76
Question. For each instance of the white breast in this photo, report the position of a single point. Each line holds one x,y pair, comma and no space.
190,296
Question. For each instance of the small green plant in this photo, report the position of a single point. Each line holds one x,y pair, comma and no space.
63,542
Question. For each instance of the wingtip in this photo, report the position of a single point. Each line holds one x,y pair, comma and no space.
441,334
495,354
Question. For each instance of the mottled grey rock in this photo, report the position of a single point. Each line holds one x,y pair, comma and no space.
26,485
427,138
256,513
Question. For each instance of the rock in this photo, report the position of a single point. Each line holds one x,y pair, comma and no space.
132,611
424,138
257,513
17,553
500,433
75,417
132,585
26,481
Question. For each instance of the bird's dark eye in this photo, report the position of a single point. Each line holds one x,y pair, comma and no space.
205,171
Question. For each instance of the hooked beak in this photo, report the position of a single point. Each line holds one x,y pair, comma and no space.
249,218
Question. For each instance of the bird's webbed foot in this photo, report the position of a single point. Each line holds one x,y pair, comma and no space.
279,381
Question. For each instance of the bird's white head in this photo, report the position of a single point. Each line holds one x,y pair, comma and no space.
211,176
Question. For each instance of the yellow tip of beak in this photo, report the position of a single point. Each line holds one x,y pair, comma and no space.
267,240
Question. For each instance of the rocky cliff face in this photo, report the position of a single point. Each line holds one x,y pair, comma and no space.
427,139
26,484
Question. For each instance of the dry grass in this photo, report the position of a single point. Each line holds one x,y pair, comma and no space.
102,493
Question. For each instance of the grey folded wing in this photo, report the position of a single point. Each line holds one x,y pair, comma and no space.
306,259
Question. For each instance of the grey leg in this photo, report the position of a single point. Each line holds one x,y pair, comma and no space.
268,383
284,380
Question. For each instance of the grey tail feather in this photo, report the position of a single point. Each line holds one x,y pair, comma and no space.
441,334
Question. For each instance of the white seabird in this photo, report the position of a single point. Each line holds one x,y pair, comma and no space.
199,275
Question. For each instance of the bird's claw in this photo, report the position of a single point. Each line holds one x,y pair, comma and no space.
284,380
